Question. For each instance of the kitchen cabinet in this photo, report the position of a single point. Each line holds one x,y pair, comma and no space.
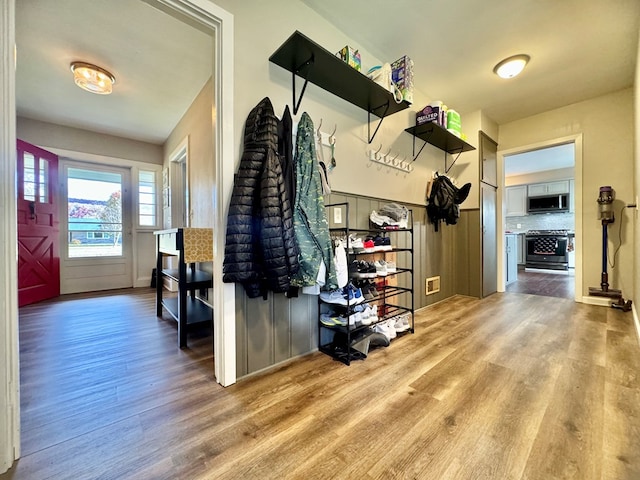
549,188
516,201
511,257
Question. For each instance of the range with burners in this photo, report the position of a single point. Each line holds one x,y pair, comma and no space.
547,249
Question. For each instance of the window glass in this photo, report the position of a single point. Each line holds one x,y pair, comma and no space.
147,198
29,177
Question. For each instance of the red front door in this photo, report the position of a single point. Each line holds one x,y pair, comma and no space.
38,242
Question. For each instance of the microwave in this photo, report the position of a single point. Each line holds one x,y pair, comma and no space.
548,203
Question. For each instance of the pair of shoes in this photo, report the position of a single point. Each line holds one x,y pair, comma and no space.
401,323
349,295
356,245
332,320
391,267
368,288
381,268
362,269
381,244
369,246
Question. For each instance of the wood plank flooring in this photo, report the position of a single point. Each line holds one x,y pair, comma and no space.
545,284
514,386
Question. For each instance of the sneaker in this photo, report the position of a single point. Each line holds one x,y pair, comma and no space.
382,244
352,294
356,245
402,323
381,268
391,267
355,319
334,296
331,320
383,329
358,269
366,317
391,328
369,246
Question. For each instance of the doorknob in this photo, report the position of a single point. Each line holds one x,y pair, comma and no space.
32,210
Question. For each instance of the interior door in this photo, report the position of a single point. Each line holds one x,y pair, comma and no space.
489,240
38,226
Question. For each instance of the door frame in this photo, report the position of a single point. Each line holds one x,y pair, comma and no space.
576,140
219,23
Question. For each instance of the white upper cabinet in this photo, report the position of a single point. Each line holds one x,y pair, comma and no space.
550,188
516,201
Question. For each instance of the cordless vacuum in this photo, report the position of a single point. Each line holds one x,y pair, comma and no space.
606,216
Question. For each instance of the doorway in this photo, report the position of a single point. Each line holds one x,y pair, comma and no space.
532,175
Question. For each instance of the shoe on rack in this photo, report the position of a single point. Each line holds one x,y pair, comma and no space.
352,295
391,328
369,246
367,315
381,268
391,267
382,244
383,329
331,320
402,323
356,245
334,296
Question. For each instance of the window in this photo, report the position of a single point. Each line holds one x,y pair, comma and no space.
94,213
147,198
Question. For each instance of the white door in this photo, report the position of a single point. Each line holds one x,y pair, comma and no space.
96,228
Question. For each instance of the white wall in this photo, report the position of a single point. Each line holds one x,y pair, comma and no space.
49,135
606,124
260,28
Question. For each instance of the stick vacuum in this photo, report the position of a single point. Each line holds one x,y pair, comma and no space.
605,212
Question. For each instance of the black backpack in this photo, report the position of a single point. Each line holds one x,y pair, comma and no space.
444,200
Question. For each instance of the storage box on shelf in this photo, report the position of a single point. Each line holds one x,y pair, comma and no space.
345,325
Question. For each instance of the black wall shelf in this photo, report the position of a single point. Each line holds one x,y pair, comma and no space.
437,136
305,58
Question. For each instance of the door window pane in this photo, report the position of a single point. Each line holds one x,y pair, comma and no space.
44,180
29,178
94,213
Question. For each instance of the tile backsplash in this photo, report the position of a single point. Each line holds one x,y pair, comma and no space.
542,221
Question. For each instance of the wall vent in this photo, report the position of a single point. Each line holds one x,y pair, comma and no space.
432,285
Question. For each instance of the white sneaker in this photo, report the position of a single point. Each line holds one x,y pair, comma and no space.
356,245
381,268
390,327
391,267
402,323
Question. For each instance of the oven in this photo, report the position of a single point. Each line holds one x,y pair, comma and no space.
547,249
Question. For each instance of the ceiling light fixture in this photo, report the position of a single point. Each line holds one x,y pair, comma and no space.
92,78
512,66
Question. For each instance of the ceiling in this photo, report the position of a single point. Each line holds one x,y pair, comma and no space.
550,158
160,65
579,49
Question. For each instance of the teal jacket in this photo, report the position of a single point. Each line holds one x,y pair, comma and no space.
310,225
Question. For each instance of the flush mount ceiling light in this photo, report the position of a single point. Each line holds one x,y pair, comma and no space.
92,78
512,66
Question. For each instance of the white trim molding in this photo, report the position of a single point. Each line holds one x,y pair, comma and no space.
9,350
219,23
577,142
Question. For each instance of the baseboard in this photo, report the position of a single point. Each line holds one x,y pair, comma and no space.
599,301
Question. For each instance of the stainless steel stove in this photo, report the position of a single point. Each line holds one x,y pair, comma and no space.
547,249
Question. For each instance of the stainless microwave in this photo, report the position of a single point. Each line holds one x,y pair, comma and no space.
548,203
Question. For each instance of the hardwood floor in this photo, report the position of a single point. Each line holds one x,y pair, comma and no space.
514,386
545,284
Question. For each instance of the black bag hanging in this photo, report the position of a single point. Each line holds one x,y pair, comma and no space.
444,200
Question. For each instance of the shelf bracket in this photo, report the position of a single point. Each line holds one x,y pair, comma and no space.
446,169
296,71
369,112
415,157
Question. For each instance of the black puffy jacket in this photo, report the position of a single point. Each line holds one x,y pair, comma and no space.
260,250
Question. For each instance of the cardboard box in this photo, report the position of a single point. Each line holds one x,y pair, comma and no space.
351,57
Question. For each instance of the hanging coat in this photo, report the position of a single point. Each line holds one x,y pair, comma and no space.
309,215
260,248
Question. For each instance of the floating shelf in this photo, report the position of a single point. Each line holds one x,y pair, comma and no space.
305,58
437,136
